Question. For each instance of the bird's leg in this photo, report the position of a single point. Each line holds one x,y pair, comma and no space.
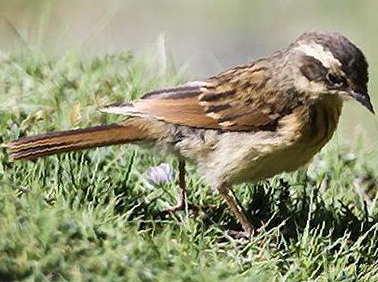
181,197
238,212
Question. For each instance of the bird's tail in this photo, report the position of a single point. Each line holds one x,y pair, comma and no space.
36,146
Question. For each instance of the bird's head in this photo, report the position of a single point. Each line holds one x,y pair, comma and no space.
330,64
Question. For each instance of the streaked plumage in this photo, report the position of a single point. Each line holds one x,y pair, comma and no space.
242,125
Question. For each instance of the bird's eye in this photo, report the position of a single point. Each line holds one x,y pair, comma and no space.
336,80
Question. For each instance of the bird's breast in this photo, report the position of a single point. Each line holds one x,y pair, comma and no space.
300,136
322,119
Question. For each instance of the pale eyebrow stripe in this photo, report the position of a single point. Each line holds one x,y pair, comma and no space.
317,51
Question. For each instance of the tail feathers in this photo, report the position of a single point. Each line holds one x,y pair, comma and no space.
57,142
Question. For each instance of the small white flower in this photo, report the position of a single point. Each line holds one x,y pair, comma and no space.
159,175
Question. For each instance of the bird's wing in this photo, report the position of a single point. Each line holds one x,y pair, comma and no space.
235,100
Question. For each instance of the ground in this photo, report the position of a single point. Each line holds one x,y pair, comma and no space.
93,215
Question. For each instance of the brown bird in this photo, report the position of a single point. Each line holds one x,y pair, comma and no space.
242,125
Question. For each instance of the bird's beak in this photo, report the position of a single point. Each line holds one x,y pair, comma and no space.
363,98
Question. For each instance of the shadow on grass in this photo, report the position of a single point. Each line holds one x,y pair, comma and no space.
271,207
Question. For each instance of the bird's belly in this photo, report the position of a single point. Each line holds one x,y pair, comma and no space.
251,158
270,164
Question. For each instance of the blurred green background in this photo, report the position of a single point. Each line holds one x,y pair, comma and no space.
205,35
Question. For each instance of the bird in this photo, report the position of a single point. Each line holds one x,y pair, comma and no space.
245,124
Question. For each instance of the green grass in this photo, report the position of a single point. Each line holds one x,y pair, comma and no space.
92,216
